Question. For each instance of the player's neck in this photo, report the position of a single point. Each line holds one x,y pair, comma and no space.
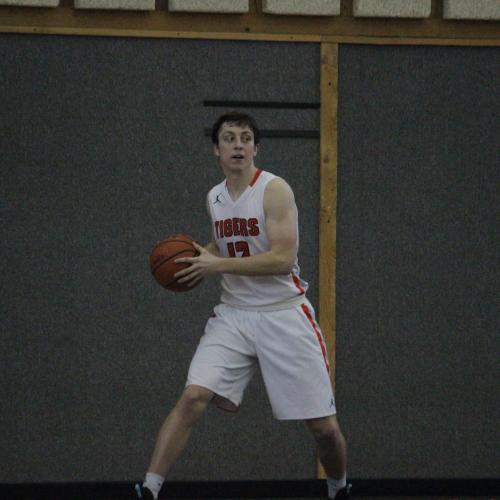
237,182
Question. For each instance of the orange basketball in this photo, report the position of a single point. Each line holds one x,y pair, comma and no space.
162,260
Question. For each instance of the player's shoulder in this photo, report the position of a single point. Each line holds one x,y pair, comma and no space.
278,193
276,185
217,188
272,180
220,184
216,196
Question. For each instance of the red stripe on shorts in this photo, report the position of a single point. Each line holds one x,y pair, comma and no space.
297,283
308,314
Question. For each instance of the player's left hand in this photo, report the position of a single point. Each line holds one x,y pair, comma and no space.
202,265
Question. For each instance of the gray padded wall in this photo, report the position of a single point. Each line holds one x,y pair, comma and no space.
102,154
418,269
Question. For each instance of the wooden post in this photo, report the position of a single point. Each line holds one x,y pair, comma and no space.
328,202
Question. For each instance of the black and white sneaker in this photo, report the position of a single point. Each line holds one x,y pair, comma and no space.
344,493
143,493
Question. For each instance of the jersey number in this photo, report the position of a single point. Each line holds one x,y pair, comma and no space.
240,247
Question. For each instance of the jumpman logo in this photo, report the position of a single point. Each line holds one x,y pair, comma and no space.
218,200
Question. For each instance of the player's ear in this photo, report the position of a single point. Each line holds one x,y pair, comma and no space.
216,150
255,150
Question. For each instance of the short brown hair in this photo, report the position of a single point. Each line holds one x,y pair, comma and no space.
240,119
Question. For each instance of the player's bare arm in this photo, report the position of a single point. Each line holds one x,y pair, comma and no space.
281,222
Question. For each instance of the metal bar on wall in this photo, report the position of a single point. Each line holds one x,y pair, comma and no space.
261,104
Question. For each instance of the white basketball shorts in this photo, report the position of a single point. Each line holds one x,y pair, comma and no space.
288,346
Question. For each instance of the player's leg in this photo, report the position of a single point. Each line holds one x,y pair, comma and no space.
173,437
220,370
302,390
332,453
176,428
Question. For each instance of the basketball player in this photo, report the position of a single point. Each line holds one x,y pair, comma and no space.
264,318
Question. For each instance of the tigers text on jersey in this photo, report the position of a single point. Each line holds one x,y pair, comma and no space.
239,230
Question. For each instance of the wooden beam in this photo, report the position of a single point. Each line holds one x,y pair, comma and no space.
328,201
252,26
328,194
262,37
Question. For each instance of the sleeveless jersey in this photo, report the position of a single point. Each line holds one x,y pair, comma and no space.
239,230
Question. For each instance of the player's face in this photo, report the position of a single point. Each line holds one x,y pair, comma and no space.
236,149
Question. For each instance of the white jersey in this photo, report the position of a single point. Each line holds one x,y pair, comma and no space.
239,230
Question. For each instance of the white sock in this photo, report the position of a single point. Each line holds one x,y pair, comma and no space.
335,485
153,482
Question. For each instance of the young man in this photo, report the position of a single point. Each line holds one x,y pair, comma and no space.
264,318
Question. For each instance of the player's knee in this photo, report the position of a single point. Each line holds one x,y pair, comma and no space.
194,401
326,432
